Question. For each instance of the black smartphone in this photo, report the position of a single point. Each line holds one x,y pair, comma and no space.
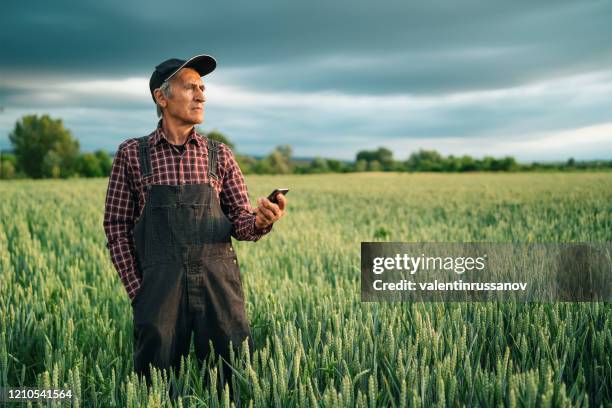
272,196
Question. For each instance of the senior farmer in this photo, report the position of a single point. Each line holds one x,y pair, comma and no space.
174,200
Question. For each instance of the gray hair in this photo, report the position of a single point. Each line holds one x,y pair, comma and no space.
165,89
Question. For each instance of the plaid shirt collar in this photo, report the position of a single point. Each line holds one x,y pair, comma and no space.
159,136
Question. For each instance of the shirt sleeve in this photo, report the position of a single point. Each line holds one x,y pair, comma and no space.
118,224
235,202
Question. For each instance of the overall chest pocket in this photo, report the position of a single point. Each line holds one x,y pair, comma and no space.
190,223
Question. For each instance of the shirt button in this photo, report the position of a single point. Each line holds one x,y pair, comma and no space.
233,260
231,249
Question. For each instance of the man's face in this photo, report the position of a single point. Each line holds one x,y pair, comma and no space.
187,99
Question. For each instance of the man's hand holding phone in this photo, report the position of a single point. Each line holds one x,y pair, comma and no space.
271,209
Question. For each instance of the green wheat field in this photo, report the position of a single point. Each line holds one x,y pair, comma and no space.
65,319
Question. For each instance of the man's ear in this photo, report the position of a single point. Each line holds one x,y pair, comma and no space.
160,98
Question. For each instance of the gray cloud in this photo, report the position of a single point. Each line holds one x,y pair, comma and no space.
281,54
316,45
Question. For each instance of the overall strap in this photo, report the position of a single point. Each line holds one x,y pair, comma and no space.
213,147
144,155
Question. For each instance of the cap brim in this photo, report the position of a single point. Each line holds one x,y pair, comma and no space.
203,64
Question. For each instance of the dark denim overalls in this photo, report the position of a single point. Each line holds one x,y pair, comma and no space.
190,273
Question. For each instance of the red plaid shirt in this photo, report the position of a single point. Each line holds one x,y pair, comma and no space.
125,196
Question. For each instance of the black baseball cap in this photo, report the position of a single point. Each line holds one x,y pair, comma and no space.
204,64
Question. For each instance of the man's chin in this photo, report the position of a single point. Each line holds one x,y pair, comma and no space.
190,120
196,121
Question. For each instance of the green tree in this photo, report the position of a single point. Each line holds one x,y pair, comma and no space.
508,163
8,164
374,165
382,155
43,147
246,163
89,165
425,160
361,165
106,162
385,157
218,136
366,155
7,170
52,165
285,151
262,167
467,163
318,165
279,160
488,163
451,164
336,166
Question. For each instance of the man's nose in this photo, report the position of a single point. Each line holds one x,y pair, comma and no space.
200,97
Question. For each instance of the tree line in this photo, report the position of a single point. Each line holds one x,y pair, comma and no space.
44,148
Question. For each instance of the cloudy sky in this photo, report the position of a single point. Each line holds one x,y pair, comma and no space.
330,78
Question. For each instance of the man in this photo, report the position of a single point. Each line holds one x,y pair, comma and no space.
174,200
